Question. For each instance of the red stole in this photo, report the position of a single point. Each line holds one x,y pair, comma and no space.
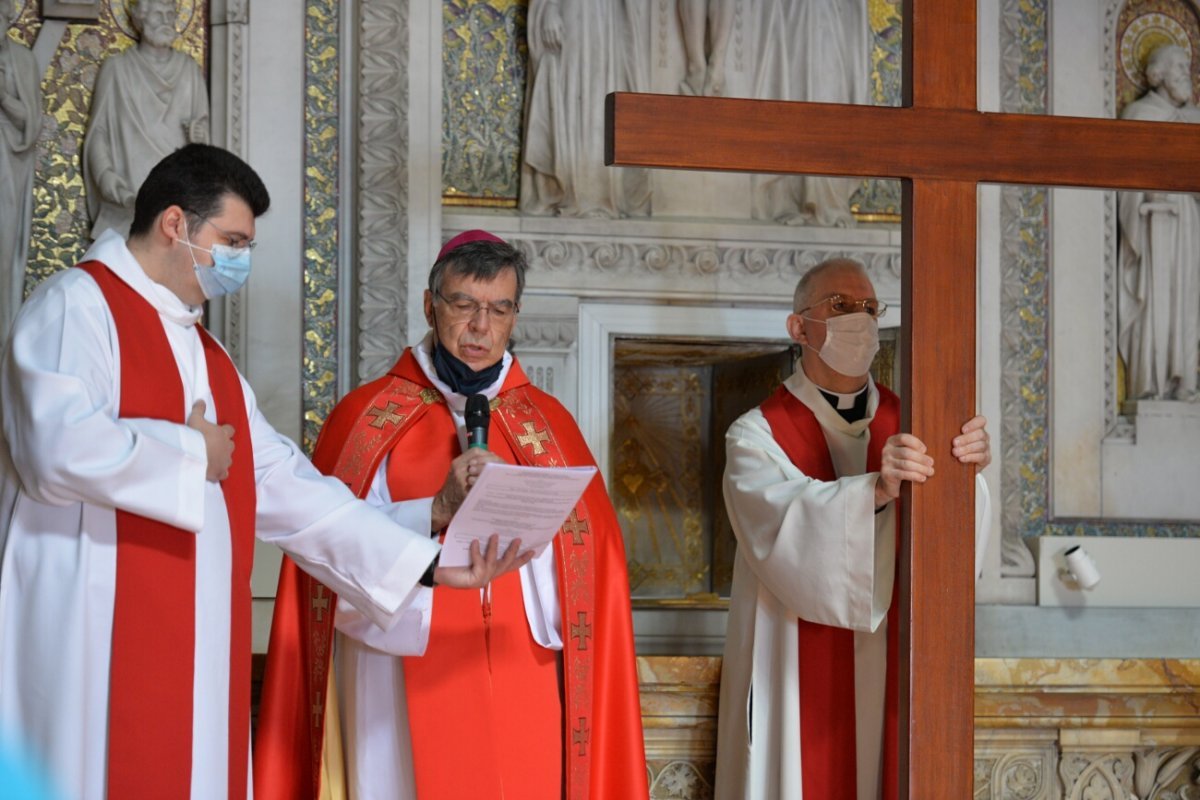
153,646
826,653
600,724
483,685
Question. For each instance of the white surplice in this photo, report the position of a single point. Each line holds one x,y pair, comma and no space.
812,549
67,461
370,674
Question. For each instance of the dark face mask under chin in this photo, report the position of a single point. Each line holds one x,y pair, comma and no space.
460,377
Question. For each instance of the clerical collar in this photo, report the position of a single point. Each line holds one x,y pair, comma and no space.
852,407
460,377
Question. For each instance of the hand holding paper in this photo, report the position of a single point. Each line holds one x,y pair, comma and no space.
486,564
526,503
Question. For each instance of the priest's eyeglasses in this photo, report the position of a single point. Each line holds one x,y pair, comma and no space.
462,307
235,240
841,305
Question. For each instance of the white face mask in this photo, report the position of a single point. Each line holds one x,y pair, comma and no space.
851,342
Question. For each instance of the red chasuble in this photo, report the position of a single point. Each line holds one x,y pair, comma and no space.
483,687
826,653
153,647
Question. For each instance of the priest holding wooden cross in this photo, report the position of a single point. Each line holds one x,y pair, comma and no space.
809,681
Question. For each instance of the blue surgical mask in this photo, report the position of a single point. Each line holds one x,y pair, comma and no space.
230,269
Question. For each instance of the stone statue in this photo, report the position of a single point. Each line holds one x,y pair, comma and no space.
705,25
816,51
579,51
20,122
149,101
1159,261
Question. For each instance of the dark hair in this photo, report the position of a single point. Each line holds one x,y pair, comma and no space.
197,177
481,260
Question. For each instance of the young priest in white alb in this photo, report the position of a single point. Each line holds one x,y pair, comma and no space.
135,472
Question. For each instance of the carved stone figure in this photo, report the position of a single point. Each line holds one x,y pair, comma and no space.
579,51
816,51
149,101
20,122
706,26
1159,307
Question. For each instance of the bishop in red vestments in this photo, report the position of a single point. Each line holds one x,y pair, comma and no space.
526,689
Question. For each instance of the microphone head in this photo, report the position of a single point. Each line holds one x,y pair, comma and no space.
476,420
478,412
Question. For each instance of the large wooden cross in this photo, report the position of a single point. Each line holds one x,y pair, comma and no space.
941,147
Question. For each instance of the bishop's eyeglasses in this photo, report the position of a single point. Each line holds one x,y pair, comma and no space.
463,307
842,305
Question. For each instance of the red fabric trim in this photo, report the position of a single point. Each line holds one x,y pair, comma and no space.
241,501
153,648
153,643
482,676
603,736
885,424
290,736
826,653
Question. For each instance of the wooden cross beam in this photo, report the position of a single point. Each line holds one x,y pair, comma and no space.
941,147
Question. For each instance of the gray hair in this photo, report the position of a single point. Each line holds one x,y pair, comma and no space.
801,298
481,260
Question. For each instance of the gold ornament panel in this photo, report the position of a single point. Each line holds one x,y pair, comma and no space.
672,402
483,97
321,143
61,230
658,448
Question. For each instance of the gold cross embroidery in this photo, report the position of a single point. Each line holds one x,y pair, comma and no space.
580,735
320,603
384,416
576,527
581,631
533,437
317,709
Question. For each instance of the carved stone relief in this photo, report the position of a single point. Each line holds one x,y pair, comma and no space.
680,780
545,344
383,154
1015,766
752,269
20,124
1168,772
1097,776
230,42
1023,258
546,332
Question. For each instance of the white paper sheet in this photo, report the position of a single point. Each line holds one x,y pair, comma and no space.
529,503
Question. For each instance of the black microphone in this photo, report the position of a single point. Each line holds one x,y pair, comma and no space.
477,418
